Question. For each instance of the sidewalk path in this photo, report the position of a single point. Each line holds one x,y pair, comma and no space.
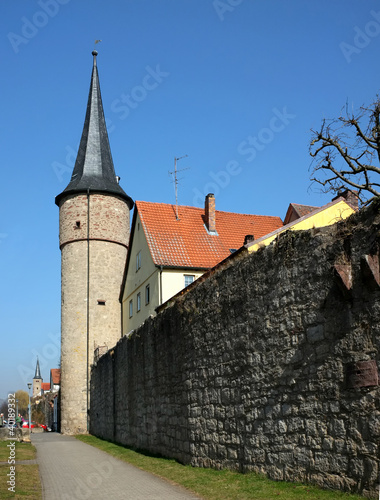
72,470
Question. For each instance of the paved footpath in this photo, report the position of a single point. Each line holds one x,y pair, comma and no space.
72,470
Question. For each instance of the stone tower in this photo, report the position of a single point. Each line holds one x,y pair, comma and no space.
93,237
37,380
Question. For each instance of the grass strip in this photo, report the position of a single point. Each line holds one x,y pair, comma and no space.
27,479
212,484
24,451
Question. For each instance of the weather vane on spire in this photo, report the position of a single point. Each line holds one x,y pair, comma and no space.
95,52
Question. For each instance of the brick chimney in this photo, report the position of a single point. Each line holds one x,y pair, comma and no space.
210,212
351,198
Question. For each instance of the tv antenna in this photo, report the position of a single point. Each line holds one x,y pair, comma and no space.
174,174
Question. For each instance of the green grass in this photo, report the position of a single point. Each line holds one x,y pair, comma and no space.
24,451
212,484
28,485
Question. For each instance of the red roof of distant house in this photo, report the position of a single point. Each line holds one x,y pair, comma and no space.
55,376
187,243
296,211
45,386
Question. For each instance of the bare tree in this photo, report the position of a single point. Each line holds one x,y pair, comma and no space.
346,153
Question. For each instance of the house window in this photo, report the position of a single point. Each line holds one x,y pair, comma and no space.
147,294
138,260
138,302
130,308
101,302
189,278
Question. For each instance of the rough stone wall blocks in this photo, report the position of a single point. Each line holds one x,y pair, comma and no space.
250,370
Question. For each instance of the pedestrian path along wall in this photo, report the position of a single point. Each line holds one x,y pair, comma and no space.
270,364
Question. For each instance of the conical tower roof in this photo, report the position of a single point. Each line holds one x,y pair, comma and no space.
94,168
38,371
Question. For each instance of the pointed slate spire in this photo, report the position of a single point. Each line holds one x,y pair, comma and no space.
94,168
38,372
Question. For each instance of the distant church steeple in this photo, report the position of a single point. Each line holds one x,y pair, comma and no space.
37,379
38,372
93,238
94,169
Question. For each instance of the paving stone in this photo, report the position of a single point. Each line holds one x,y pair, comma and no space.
72,470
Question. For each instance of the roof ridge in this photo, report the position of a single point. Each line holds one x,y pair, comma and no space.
303,205
202,209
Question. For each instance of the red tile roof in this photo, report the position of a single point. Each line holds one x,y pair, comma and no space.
303,209
55,376
45,386
187,243
296,211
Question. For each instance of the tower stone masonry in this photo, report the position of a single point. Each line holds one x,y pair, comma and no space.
93,236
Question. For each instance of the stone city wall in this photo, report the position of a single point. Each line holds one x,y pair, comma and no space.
269,364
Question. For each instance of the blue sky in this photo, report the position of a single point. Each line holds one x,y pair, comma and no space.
235,85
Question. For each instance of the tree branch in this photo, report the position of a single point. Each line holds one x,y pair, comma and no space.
344,138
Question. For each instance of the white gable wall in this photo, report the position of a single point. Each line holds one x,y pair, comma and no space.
137,280
163,283
173,281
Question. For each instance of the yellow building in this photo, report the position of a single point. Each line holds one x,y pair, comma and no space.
308,218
